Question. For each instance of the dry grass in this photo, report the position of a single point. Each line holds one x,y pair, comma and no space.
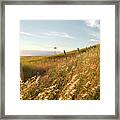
76,77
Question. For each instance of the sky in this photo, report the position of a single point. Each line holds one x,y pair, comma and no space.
44,35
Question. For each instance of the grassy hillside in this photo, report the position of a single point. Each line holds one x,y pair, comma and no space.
75,76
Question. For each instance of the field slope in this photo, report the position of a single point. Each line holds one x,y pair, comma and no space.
74,76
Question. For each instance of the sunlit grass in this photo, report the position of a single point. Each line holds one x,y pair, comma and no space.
72,77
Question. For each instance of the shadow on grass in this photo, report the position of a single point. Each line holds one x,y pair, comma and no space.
30,71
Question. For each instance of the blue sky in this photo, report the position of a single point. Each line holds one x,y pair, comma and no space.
67,35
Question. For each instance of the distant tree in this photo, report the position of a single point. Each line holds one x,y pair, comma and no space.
55,49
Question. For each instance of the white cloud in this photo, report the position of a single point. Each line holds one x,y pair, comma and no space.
31,35
93,34
93,40
48,34
92,23
56,34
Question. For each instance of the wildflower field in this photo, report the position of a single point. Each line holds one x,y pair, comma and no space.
74,76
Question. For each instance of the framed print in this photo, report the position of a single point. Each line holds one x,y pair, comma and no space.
60,59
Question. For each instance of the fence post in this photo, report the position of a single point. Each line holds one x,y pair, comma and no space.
78,50
65,54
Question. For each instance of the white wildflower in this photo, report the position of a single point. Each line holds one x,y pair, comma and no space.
73,67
